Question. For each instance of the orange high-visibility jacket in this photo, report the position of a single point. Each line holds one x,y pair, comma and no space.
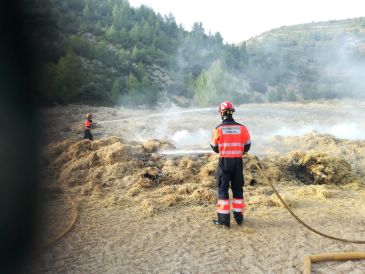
88,124
230,139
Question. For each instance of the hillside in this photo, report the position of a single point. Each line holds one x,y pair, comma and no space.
98,51
106,52
311,61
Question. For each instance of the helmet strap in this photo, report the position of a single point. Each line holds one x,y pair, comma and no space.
226,114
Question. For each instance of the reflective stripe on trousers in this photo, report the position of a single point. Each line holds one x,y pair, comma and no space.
223,207
237,205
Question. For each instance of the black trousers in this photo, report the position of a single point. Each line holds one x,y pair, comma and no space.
88,135
230,173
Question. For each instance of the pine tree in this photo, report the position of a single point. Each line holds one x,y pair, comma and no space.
213,85
69,75
116,91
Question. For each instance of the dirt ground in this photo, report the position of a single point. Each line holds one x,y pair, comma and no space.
182,240
143,212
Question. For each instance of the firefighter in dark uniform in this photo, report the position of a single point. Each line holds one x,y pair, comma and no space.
231,140
88,126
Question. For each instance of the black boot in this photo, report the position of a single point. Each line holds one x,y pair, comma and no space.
223,219
238,216
218,223
240,223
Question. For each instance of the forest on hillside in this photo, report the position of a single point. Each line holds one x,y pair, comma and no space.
107,52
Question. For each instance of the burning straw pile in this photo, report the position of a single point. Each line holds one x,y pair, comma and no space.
118,172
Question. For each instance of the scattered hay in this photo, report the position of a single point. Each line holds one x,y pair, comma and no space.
134,191
248,230
148,208
186,189
113,201
154,145
54,150
148,177
357,186
208,183
253,176
187,164
270,201
87,189
167,190
177,172
313,191
274,201
209,169
266,190
170,200
203,196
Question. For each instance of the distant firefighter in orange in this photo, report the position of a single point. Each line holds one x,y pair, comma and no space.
88,126
231,140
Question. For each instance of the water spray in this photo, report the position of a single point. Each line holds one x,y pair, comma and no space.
160,114
185,152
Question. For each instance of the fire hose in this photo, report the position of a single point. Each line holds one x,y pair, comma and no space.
308,260
342,256
67,229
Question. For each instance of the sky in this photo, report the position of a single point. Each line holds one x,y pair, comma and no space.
239,20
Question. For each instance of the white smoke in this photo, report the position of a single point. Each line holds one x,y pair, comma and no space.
191,128
349,131
183,138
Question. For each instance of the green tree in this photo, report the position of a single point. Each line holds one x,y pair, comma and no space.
69,75
275,94
202,95
121,15
290,95
86,10
111,34
213,85
116,91
140,92
150,91
48,85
